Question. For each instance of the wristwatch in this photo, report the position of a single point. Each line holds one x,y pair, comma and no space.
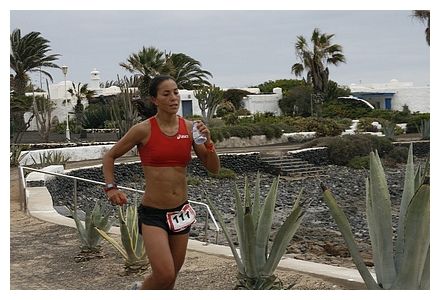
110,186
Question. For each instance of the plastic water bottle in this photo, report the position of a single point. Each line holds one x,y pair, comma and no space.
198,137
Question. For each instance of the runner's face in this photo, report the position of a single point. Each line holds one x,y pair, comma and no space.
168,97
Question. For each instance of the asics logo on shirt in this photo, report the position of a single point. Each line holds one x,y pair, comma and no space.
182,136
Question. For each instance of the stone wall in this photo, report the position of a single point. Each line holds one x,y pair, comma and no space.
420,148
238,162
317,156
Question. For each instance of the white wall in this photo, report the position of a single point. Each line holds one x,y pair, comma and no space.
58,96
263,103
187,95
417,99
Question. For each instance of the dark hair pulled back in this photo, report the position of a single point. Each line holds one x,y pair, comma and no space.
155,82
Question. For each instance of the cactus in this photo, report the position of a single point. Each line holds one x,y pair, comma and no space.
88,235
389,130
425,129
132,249
404,265
253,222
123,112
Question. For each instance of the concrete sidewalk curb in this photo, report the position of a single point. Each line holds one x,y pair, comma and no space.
40,206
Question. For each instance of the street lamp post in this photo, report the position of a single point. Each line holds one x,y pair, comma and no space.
64,68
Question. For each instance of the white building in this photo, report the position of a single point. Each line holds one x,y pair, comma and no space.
65,102
189,105
264,102
254,103
394,95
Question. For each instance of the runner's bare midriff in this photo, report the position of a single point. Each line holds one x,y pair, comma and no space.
165,187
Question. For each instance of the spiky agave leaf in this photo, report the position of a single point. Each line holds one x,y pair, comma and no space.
219,217
283,237
416,241
407,194
265,224
249,245
100,221
89,237
414,244
256,203
132,249
239,227
114,243
379,223
425,279
130,237
80,228
345,228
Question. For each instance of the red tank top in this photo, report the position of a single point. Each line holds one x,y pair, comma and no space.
162,150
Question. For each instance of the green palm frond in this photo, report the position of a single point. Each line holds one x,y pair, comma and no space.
28,54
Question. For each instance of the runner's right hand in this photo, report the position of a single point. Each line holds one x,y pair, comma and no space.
117,197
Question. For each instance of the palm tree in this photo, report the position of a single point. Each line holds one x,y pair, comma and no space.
188,72
29,54
146,64
315,59
80,93
425,18
150,62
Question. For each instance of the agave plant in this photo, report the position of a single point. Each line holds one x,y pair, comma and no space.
90,238
253,222
405,264
132,249
425,129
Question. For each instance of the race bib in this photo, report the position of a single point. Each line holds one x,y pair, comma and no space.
180,220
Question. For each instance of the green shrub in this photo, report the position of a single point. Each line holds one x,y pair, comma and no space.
268,131
95,115
389,129
243,112
193,181
225,132
398,154
345,108
241,131
414,122
342,149
215,122
365,125
393,116
231,119
322,126
359,162
344,122
217,134
224,173
225,108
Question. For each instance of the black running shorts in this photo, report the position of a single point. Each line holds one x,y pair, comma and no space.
157,217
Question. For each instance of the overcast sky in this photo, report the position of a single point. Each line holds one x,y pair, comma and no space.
239,48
